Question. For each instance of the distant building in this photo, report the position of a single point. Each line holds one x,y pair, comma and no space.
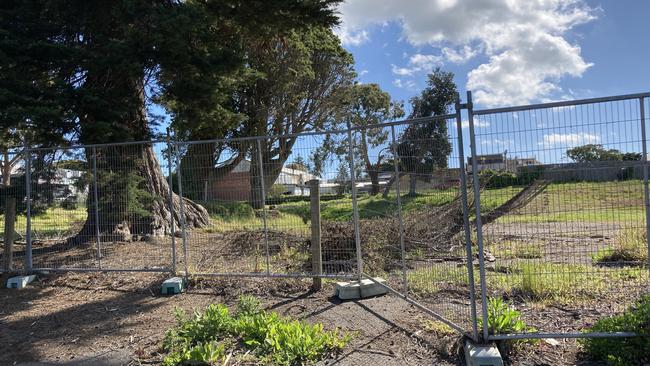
500,162
65,184
235,185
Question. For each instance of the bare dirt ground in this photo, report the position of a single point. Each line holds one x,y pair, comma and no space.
120,319
65,317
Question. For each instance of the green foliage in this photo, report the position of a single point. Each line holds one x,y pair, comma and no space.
205,337
623,351
500,178
503,318
285,342
497,179
276,191
229,210
596,152
423,147
202,354
70,203
366,105
631,247
248,305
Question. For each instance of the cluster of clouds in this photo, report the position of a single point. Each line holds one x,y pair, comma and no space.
523,41
570,139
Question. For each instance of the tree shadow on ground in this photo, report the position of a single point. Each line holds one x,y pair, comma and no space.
83,324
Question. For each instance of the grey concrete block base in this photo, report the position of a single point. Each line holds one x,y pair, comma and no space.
360,290
482,354
173,286
20,281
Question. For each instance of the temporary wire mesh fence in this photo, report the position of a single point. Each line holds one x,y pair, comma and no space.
563,213
559,228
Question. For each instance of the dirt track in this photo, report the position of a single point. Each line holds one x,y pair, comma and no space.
62,318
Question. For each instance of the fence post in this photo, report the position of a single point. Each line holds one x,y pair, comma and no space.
182,212
355,210
96,207
464,201
646,191
9,229
170,182
266,229
477,207
316,250
28,203
399,209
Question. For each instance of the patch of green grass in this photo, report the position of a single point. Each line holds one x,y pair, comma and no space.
495,197
430,280
517,249
438,328
271,339
631,247
53,222
371,207
284,222
623,351
616,201
546,282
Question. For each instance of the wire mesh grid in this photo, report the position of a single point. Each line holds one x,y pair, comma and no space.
58,210
130,212
258,201
89,209
412,228
12,194
563,213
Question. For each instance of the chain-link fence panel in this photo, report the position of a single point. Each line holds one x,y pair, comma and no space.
12,209
562,205
412,226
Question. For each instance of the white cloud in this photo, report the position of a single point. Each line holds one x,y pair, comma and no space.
406,84
352,38
569,139
363,72
524,41
417,63
459,55
497,144
526,72
477,124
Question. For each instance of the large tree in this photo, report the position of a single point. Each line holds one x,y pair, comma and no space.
596,152
366,105
299,85
107,61
424,147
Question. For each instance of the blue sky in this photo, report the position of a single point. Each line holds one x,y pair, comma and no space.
554,49
510,52
513,53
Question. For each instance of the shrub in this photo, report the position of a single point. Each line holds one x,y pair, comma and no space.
248,305
500,178
503,318
631,246
206,337
229,210
70,203
276,191
623,351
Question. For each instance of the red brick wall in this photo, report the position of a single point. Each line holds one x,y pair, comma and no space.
232,187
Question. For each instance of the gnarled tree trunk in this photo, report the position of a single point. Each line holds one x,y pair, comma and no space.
121,219
133,194
390,183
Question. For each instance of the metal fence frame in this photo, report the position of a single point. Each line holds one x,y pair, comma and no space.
483,293
477,297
